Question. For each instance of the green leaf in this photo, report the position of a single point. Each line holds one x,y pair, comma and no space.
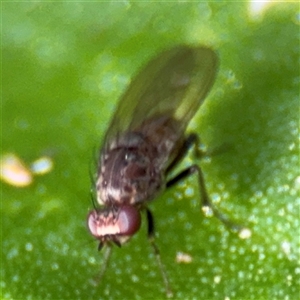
64,66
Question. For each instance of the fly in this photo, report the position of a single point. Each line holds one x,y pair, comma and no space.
144,142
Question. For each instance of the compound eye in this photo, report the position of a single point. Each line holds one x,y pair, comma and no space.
93,223
114,223
129,220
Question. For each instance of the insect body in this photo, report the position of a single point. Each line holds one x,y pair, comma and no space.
145,140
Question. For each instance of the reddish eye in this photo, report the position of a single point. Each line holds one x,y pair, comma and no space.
93,223
125,220
129,220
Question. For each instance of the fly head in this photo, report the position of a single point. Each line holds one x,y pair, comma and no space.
115,224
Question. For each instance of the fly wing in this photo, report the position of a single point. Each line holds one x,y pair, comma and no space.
173,84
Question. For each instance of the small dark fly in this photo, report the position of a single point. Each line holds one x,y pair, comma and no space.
145,141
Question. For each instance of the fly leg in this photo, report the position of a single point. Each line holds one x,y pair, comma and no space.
161,266
207,206
190,141
97,280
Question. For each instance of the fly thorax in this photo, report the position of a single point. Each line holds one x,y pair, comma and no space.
128,175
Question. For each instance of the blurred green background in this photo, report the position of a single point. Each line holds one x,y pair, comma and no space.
64,66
